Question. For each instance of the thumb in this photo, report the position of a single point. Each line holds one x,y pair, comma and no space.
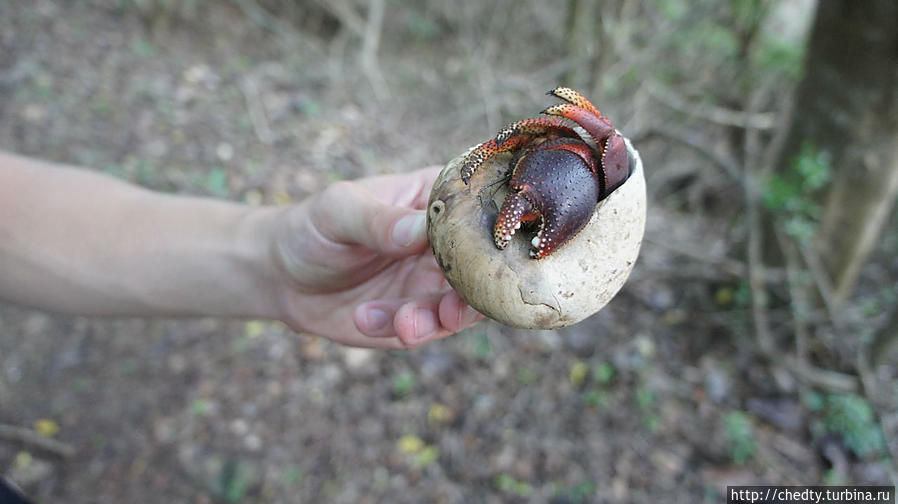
348,213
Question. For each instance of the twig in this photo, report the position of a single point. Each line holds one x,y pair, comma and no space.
777,143
344,12
802,369
729,166
256,111
729,265
712,113
885,340
756,271
824,378
32,439
252,10
821,281
799,304
370,43
872,392
756,277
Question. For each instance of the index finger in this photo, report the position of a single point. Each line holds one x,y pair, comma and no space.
411,189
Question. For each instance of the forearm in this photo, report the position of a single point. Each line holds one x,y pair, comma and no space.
79,242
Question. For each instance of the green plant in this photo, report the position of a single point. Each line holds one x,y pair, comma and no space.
583,491
428,455
603,373
200,407
595,398
143,48
789,196
233,481
646,399
215,182
403,383
776,56
418,452
526,376
510,485
480,345
740,435
851,417
291,476
420,26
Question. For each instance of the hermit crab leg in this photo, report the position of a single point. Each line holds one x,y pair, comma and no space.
537,127
516,135
484,151
597,126
615,160
573,97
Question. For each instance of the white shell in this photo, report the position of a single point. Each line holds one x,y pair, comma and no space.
507,285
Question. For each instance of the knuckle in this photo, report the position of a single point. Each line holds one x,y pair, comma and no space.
340,189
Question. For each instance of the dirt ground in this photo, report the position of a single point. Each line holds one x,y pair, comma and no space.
660,397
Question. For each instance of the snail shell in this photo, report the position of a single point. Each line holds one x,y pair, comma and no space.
507,285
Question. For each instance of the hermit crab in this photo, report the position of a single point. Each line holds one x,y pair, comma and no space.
557,178
571,179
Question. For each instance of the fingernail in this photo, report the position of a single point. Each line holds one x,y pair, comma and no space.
425,323
408,229
377,319
468,316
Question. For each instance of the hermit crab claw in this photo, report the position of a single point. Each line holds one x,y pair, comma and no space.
558,177
543,193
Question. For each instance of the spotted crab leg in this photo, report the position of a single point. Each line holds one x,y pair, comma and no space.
615,160
575,98
516,135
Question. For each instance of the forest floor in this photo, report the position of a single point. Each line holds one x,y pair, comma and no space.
660,397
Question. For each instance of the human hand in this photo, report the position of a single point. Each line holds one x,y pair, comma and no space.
354,265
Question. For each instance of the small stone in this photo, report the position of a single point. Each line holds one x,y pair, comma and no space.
157,148
164,430
358,359
436,364
240,427
313,349
717,382
253,442
224,151
274,388
27,469
34,113
177,363
785,413
253,197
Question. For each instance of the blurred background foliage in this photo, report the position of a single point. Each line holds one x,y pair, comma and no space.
753,344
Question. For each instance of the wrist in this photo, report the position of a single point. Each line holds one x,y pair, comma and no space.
256,235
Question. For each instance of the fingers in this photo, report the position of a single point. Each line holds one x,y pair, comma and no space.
415,321
382,213
348,213
410,189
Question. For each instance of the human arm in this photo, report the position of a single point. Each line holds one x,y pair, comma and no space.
76,241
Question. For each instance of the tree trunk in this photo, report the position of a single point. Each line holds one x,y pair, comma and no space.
847,105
